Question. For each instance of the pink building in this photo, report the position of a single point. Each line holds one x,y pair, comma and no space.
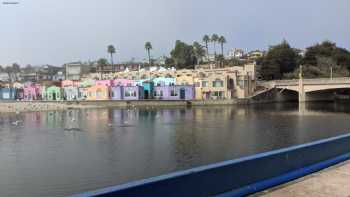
69,83
31,92
108,83
123,82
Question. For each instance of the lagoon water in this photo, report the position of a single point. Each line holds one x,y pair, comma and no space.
62,153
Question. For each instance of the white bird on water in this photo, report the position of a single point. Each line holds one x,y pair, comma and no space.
16,123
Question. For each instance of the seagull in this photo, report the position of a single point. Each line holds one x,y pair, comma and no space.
16,123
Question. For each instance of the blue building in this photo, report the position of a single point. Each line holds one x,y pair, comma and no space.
7,94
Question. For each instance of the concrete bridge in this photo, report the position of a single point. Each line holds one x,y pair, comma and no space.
311,89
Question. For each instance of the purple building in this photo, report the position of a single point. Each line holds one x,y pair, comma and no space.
116,93
132,93
177,92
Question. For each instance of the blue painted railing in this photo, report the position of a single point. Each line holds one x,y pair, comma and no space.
240,177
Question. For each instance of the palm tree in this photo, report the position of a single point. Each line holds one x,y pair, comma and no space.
148,47
214,39
206,40
222,41
111,50
198,50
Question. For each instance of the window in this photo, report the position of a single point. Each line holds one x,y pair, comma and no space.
204,84
173,92
241,83
158,93
218,83
127,93
218,94
197,84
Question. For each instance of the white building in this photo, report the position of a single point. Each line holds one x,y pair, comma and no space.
4,76
235,54
73,70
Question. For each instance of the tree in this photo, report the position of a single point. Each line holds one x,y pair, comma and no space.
169,62
15,70
199,52
222,41
148,47
102,62
206,40
279,59
183,55
111,51
214,39
327,49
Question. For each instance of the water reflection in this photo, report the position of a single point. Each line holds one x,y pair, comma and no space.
64,152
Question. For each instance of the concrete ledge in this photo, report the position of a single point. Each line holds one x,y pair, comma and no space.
240,177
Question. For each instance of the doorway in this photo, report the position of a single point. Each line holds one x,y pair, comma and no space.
182,94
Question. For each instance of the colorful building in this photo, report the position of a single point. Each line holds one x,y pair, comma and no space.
148,87
177,92
31,92
83,93
123,82
53,93
133,93
87,83
108,83
117,93
98,92
164,81
71,93
67,83
7,93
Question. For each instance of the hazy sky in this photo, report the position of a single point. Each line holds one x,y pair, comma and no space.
59,31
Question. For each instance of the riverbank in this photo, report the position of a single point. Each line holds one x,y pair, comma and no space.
14,107
30,106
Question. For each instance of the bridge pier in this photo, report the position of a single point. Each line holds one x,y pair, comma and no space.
302,94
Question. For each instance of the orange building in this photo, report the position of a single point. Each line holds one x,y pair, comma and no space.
98,92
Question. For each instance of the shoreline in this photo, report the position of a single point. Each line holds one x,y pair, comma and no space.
34,106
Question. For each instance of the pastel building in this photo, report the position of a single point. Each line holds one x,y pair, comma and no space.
116,93
123,82
98,92
108,83
83,93
133,93
67,83
87,83
148,87
164,81
53,93
71,93
17,85
177,92
7,93
31,92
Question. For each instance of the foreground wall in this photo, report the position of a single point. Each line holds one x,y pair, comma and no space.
242,176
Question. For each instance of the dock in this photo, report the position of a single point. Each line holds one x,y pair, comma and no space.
333,181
